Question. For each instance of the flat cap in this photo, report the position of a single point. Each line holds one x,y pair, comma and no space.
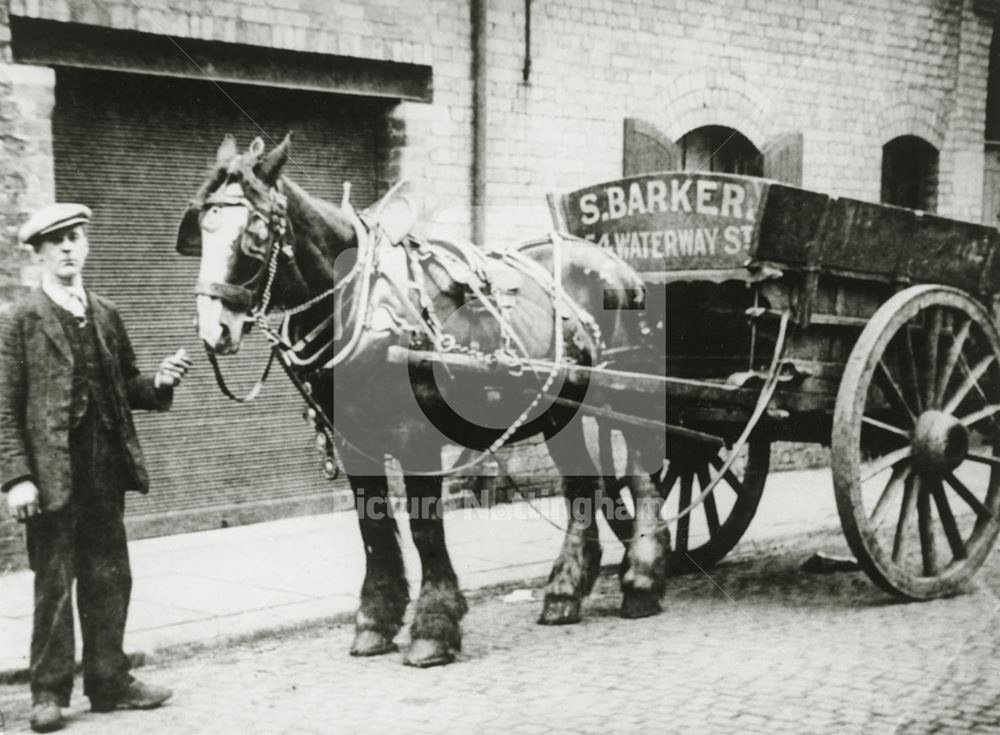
50,218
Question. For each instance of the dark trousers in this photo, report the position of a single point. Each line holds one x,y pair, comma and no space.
84,541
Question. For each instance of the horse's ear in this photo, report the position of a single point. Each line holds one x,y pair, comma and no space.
227,150
189,233
269,169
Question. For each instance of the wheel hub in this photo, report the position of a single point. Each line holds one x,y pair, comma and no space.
940,442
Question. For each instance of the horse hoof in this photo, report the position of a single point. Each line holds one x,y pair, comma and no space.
560,611
427,652
371,643
640,605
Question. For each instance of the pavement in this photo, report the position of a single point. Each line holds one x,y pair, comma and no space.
198,590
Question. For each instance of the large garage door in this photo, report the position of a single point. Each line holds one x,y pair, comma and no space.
135,149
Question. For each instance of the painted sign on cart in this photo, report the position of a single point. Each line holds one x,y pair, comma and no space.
670,221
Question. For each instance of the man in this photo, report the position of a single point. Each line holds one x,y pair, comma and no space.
68,452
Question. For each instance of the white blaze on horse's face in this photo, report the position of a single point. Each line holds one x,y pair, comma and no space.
219,327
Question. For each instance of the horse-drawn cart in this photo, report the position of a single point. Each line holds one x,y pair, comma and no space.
784,314
752,312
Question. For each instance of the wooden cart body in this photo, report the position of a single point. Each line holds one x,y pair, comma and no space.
726,256
789,314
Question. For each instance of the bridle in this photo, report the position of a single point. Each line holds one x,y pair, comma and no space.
254,295
254,298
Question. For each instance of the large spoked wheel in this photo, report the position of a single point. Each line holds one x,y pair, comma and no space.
702,537
916,442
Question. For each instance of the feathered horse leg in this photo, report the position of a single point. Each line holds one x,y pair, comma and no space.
436,632
579,562
384,593
644,578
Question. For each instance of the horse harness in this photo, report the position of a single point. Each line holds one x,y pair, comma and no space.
484,273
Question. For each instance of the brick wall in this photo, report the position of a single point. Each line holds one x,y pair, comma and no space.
26,177
437,152
849,74
26,182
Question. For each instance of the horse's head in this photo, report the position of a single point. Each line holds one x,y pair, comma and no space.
235,223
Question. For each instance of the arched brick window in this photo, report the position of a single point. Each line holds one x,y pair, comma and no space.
910,173
647,149
720,149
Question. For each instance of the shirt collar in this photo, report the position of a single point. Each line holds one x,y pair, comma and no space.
73,298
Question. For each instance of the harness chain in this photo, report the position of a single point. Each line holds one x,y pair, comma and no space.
429,323
432,326
435,329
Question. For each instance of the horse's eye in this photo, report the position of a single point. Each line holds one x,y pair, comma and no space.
211,219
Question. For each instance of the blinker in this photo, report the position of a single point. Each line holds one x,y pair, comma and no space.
189,233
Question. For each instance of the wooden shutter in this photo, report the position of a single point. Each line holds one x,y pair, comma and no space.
647,150
135,149
991,186
783,159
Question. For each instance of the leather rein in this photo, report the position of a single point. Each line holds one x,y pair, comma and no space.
254,296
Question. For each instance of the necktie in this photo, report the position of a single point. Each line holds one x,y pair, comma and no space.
77,308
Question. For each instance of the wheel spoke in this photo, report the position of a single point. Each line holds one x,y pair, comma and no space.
975,418
729,476
987,459
892,391
957,345
951,531
669,480
911,369
933,341
711,516
888,427
964,365
684,522
711,509
928,546
965,494
605,456
973,378
886,461
892,491
905,512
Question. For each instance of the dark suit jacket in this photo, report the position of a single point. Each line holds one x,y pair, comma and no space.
36,383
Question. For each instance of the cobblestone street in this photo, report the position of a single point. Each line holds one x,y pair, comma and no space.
760,647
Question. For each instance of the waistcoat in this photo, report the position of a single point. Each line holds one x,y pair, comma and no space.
90,382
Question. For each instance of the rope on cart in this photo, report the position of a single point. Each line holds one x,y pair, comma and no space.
766,393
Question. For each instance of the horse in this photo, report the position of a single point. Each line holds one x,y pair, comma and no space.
357,288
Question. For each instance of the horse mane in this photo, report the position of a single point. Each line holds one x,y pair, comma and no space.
329,215
324,242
